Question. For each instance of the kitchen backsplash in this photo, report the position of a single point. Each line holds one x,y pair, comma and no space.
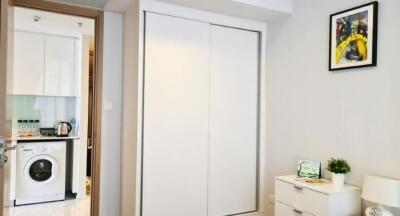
48,110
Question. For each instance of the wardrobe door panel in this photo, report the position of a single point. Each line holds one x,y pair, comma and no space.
175,136
233,146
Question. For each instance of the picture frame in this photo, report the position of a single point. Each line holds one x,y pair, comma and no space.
353,37
309,169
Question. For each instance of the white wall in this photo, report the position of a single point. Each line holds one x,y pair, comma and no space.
129,110
120,6
111,118
84,112
317,114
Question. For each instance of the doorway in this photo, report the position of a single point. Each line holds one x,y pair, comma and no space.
55,101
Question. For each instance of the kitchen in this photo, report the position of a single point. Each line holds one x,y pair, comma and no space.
52,95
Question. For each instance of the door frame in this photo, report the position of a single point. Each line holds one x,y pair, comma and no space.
3,82
98,17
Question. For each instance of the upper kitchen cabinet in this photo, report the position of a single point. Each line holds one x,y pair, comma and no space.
44,64
28,63
59,66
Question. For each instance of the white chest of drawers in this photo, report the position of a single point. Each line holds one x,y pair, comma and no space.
296,198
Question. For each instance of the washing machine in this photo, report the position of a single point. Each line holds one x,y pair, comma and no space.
40,172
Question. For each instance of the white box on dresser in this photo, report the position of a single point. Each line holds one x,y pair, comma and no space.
295,198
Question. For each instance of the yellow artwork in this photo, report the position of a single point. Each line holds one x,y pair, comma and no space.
353,37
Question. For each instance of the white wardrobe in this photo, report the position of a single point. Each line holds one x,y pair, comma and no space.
200,119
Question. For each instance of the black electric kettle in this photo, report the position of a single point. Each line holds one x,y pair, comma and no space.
63,129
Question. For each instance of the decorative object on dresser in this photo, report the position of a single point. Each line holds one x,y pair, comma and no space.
339,168
384,192
309,169
293,196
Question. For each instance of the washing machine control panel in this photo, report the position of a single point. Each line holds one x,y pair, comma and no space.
39,148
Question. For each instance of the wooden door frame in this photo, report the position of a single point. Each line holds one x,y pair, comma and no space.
98,16
3,81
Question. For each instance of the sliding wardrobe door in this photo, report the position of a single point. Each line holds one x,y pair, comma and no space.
175,139
233,122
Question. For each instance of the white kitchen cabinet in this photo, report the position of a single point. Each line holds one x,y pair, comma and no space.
28,63
233,142
44,64
59,66
175,133
293,197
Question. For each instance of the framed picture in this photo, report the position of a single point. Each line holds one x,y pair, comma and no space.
309,169
353,37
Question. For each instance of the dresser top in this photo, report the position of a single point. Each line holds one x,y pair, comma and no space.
326,188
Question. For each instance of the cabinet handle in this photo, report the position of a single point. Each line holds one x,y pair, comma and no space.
298,188
298,211
7,148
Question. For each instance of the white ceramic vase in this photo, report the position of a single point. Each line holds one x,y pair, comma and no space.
338,179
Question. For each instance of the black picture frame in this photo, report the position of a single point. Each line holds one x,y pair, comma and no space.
369,56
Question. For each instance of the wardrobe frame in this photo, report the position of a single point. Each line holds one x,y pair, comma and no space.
215,19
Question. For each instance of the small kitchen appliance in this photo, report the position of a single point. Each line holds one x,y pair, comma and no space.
63,129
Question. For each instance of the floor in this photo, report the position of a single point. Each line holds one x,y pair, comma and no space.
64,208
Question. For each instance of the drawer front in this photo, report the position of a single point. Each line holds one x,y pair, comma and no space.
301,198
286,210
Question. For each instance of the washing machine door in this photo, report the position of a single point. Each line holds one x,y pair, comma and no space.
41,169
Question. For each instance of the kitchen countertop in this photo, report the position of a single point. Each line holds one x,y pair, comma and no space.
34,138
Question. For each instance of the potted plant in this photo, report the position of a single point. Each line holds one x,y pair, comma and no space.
339,168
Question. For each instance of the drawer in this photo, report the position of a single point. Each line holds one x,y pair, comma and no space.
286,210
302,198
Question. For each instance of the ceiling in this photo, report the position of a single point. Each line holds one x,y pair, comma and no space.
90,3
52,23
261,10
109,5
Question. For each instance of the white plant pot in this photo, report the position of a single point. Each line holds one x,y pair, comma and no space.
338,179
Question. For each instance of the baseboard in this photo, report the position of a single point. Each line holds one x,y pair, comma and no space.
60,197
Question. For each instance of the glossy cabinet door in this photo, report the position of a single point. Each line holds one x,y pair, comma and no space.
175,124
29,60
59,66
233,145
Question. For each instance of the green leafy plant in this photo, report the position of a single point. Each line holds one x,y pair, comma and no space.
338,166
